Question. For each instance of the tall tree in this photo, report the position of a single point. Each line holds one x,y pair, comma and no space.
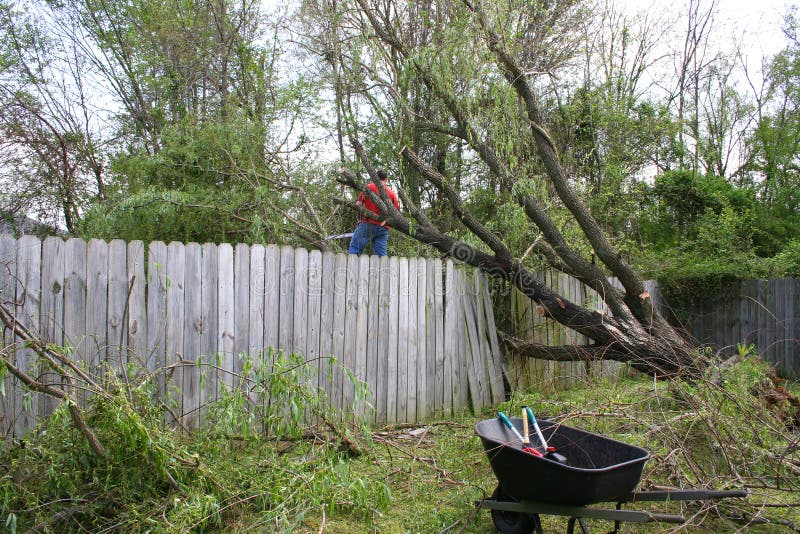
775,143
486,43
52,161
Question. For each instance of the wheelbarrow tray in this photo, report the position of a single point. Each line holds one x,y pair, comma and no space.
599,469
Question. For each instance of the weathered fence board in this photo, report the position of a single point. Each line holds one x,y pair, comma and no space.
423,407
392,321
350,313
136,312
96,263
450,336
257,312
382,368
326,320
176,268
373,332
52,310
116,341
192,329
28,272
241,307
362,337
226,315
209,317
795,369
8,270
156,310
402,339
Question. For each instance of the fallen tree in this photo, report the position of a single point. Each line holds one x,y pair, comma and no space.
634,331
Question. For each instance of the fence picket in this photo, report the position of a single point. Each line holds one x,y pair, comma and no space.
209,335
156,311
350,313
433,335
116,335
423,407
374,334
392,352
795,336
256,311
272,302
460,371
136,325
8,270
451,323
411,343
29,272
362,338
326,320
94,305
241,299
226,317
339,313
789,314
402,340
300,304
314,304
51,324
256,320
475,378
192,332
382,360
314,314
176,266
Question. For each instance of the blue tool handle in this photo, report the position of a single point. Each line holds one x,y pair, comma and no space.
536,427
506,421
531,418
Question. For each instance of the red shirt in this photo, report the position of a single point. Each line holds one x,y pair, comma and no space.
371,206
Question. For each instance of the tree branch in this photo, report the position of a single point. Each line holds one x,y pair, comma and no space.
40,347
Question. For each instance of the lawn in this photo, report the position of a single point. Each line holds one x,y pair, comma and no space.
421,477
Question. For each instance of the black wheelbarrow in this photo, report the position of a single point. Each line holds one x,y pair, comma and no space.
597,470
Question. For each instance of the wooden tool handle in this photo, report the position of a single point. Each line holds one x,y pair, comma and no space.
525,438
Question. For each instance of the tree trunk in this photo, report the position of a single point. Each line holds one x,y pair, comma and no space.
633,332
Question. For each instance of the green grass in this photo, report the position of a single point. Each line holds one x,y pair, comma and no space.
415,478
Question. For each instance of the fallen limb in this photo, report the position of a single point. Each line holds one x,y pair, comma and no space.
75,412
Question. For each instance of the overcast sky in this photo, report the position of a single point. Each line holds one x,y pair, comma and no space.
759,22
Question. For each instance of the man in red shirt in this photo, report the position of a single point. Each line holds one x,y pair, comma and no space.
371,230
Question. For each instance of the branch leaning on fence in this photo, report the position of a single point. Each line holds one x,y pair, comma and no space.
60,364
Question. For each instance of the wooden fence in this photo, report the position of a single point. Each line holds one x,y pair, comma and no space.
762,313
419,333
524,372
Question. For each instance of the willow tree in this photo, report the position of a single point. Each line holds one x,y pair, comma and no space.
487,66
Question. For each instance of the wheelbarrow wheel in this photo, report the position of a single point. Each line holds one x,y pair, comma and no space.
513,522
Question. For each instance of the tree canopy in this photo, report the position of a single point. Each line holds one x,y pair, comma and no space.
565,133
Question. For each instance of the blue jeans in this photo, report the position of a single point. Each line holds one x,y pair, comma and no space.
365,233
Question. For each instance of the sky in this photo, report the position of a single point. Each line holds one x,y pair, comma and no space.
758,22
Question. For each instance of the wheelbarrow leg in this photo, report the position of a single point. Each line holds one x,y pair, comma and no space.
571,525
